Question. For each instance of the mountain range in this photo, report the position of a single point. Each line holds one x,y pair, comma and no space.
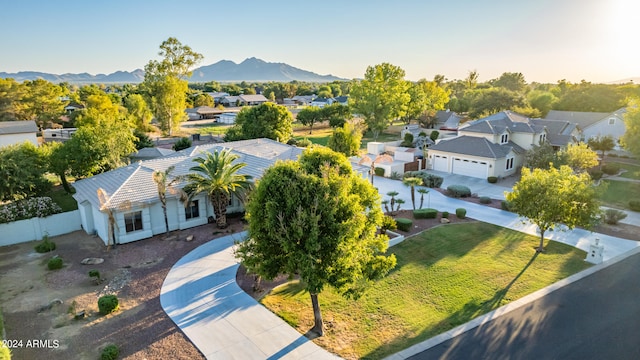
250,69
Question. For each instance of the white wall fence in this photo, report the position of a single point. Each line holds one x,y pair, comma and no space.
33,229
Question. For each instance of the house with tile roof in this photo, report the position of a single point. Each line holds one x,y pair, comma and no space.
17,132
495,145
132,196
593,124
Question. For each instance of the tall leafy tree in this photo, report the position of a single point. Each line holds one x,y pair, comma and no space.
345,140
381,96
492,100
426,96
166,84
553,197
319,223
511,81
337,114
216,174
602,143
590,97
11,95
543,156
310,116
543,101
22,169
631,138
580,157
43,102
266,120
139,111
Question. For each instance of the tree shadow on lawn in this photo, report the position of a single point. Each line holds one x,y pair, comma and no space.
469,311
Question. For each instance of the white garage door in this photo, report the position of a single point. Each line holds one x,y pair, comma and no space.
440,163
470,167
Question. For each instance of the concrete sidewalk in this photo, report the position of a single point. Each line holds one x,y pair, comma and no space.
201,296
582,239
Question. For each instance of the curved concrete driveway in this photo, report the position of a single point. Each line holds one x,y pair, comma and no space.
201,296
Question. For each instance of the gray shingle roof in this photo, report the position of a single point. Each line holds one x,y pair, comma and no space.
558,131
477,146
582,118
499,122
18,127
133,184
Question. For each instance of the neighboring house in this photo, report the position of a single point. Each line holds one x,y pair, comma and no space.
132,194
495,145
202,112
250,100
17,132
217,96
150,153
230,101
322,102
227,118
301,99
342,100
447,120
60,135
71,107
593,124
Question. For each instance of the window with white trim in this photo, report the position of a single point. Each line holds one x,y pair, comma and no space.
133,221
509,164
504,139
612,121
192,211
543,137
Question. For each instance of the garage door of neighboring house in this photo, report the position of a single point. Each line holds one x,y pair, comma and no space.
468,167
440,163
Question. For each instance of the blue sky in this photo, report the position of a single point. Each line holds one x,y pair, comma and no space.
546,40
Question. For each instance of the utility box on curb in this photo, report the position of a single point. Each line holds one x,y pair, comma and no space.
595,253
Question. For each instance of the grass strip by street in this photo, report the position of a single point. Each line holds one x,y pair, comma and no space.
445,277
618,193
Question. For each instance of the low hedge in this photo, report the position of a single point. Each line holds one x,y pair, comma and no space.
458,191
428,180
404,224
461,213
485,200
492,179
445,214
379,171
427,213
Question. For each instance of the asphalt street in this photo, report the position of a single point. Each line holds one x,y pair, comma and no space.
597,317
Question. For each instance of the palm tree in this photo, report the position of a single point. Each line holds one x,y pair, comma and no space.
161,178
216,175
412,182
423,192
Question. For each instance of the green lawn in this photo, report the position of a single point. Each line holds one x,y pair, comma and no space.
633,171
618,193
215,129
444,277
64,200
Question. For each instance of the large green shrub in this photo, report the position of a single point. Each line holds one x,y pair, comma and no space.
388,223
408,140
108,304
461,213
613,216
404,224
110,352
485,200
427,213
610,169
379,171
492,179
304,143
55,263
634,205
458,191
45,245
505,205
445,214
182,143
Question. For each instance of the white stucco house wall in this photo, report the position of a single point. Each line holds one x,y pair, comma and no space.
132,196
17,132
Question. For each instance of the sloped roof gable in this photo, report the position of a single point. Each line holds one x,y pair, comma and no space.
477,146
